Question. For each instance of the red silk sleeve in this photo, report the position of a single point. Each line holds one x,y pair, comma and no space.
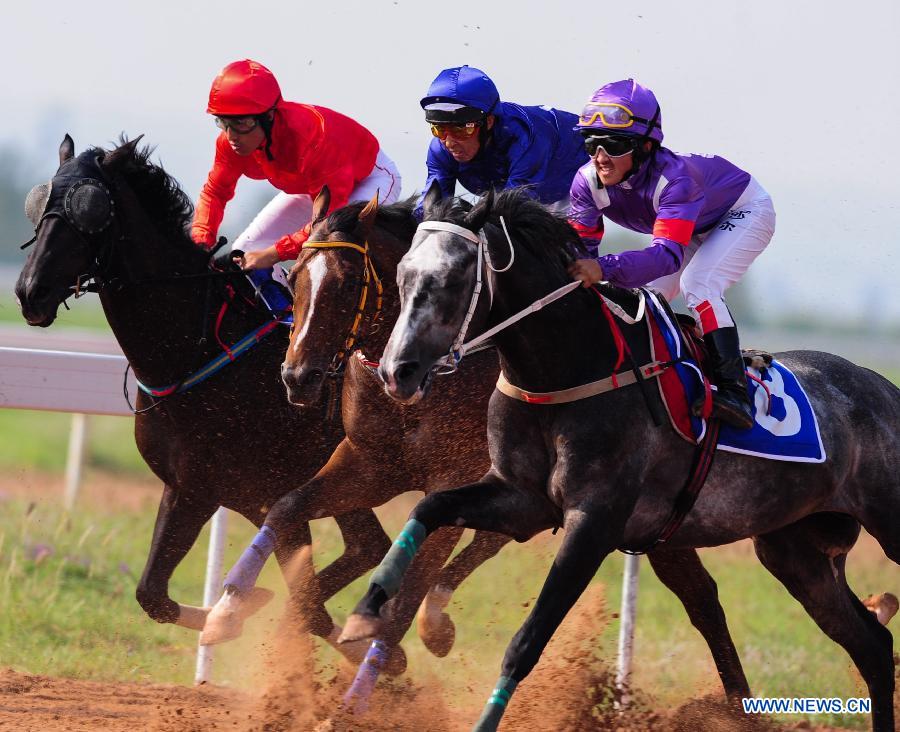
288,247
216,192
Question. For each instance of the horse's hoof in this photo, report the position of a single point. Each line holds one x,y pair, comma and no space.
436,629
883,606
438,634
354,651
360,627
225,620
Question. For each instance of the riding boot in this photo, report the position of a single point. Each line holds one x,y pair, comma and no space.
273,294
731,401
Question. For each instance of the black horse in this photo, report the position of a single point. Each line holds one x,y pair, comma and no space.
114,217
391,447
598,467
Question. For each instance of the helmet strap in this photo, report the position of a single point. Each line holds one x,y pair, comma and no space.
484,133
266,123
640,155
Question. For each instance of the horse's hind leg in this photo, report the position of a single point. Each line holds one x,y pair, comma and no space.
800,557
684,574
435,628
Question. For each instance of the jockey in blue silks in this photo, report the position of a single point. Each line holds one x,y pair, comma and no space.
484,143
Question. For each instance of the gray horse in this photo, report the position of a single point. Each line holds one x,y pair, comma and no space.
600,469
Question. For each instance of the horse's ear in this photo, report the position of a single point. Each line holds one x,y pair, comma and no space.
368,214
432,197
125,151
321,204
66,149
475,219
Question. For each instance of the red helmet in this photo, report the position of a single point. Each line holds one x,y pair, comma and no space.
243,88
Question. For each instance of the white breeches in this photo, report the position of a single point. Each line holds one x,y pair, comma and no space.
290,212
716,259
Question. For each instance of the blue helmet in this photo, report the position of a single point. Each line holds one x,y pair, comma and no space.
460,94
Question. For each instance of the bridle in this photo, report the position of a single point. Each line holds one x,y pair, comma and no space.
82,199
370,275
460,347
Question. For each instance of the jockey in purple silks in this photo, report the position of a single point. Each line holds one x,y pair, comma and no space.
709,220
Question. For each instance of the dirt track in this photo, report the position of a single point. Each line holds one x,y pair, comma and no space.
569,691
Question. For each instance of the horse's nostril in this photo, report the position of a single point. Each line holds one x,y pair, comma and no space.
41,292
406,369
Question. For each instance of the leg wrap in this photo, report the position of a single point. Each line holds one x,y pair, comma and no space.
389,573
493,710
357,696
243,574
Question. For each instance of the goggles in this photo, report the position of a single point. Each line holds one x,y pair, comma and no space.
240,125
459,130
614,116
615,146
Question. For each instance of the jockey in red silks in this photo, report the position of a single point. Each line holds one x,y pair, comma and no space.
709,220
298,148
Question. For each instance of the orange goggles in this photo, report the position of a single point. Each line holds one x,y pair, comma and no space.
615,116
458,130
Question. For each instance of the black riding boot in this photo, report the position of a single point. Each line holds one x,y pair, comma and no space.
731,402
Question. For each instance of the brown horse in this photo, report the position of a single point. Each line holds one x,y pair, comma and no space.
115,217
391,447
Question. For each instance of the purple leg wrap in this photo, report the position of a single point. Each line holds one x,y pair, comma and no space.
242,576
357,697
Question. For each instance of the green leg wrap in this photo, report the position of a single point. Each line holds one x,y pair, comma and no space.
389,574
493,710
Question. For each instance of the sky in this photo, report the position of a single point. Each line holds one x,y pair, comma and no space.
803,95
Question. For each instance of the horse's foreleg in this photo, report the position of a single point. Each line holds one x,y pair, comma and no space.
178,523
434,626
794,554
684,574
489,505
585,544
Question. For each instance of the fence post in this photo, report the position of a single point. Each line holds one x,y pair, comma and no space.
212,587
75,459
626,625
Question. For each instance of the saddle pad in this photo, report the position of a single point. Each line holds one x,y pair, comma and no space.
786,427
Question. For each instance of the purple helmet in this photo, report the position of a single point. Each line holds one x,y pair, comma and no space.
624,108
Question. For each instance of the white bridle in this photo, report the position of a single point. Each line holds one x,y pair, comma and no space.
449,363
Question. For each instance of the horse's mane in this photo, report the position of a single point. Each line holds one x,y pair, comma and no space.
547,235
395,217
160,194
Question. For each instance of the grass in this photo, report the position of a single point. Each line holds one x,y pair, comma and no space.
73,613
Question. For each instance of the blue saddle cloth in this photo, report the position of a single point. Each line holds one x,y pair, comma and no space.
785,426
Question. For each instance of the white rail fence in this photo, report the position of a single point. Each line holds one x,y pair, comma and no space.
92,383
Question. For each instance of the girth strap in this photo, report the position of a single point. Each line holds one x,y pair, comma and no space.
583,391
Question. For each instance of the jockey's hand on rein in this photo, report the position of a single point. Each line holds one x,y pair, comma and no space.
588,271
223,258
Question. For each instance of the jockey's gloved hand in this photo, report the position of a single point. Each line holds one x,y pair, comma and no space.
223,258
